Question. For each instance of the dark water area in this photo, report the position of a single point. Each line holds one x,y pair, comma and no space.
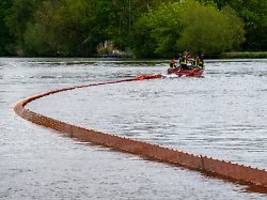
221,115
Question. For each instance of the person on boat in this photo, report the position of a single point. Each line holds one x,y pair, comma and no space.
195,62
178,57
173,64
186,54
185,60
200,61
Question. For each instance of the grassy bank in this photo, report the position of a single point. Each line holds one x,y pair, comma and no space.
245,54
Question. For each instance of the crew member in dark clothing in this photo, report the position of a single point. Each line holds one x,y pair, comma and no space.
185,60
173,64
201,61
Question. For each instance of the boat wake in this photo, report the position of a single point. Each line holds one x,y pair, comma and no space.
170,76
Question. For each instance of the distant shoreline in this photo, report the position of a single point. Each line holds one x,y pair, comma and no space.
245,54
227,55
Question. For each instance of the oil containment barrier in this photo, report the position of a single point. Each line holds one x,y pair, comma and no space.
256,178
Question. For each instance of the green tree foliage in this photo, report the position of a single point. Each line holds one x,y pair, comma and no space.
5,37
149,28
66,28
191,25
209,31
141,41
122,14
254,15
75,28
19,15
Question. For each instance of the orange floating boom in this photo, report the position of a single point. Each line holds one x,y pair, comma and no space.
211,166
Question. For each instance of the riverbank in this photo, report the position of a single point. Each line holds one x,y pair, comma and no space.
244,54
228,55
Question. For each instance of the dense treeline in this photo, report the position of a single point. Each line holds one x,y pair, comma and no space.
143,28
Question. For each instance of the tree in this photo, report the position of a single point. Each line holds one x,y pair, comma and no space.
141,42
5,37
66,28
20,14
191,25
253,13
149,28
209,31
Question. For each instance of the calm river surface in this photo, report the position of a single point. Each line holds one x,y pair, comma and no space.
222,115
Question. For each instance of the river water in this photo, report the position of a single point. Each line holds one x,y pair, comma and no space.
222,115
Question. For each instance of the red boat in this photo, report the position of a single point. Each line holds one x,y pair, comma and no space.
195,72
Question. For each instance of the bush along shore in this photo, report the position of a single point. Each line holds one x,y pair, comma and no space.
150,29
245,54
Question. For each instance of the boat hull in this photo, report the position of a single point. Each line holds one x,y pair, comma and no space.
196,72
